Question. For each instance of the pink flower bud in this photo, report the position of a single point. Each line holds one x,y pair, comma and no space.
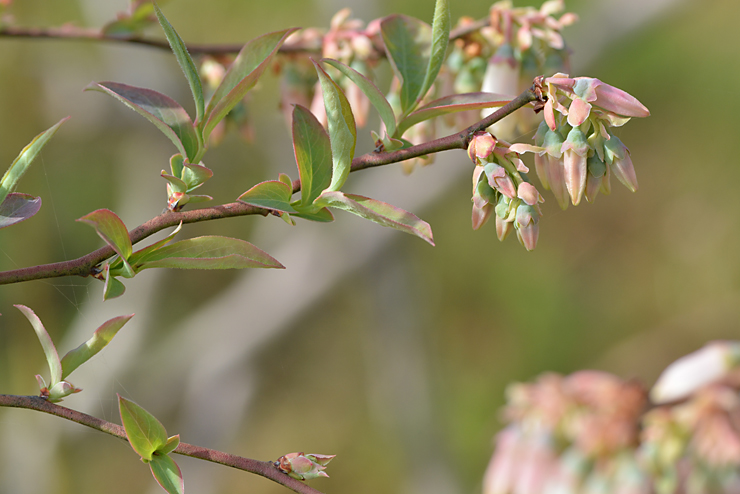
481,146
500,180
503,228
303,466
529,194
618,157
556,167
527,228
698,369
575,150
609,97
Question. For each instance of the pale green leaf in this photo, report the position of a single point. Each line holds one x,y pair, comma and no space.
52,357
100,338
145,433
312,153
167,474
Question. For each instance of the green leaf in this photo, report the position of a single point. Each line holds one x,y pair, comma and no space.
195,175
24,160
112,288
111,229
451,104
407,44
243,74
272,194
100,338
177,184
312,153
186,63
161,110
170,446
322,215
136,256
18,207
52,357
145,433
440,40
210,252
167,474
379,212
176,165
342,130
375,95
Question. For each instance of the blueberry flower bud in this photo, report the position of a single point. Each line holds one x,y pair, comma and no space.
481,146
618,157
527,228
304,466
575,151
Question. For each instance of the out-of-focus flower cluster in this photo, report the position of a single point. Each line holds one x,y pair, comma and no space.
578,149
501,185
589,432
503,57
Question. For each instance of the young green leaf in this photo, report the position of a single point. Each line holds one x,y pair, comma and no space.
243,74
171,445
451,104
379,212
342,130
134,259
312,153
24,160
52,357
161,110
145,433
167,473
407,44
210,252
185,62
111,229
112,288
177,184
195,175
440,40
272,194
375,95
100,338
18,207
322,215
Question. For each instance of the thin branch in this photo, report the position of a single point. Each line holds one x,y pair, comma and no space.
263,468
85,265
74,33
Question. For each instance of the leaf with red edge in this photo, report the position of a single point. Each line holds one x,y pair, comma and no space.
145,433
451,104
243,74
378,212
112,230
167,473
209,252
272,194
100,338
161,110
312,153
18,207
52,357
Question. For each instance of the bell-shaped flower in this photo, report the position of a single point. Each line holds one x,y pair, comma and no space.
483,198
609,97
553,144
499,179
598,178
617,156
304,466
527,227
575,153
529,194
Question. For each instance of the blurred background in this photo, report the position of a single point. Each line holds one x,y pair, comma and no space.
371,345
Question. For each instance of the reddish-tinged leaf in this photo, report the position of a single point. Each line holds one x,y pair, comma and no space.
210,252
312,153
18,207
342,129
272,194
322,215
408,45
100,338
172,444
243,74
112,288
375,95
111,229
452,104
145,433
195,175
52,357
134,259
379,212
185,62
167,474
161,110
25,158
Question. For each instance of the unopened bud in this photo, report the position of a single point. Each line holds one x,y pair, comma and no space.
304,466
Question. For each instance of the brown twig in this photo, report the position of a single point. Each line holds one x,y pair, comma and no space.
264,468
85,265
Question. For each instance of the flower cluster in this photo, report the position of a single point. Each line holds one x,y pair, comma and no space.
578,149
588,431
500,185
503,57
